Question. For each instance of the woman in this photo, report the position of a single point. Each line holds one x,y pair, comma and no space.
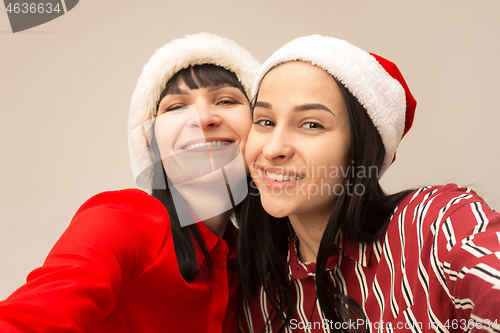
322,247
134,262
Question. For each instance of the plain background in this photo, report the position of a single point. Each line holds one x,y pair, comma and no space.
65,88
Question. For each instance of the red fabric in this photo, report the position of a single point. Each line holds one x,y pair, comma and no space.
114,270
411,103
437,266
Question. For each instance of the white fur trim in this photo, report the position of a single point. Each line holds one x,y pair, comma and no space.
382,96
197,49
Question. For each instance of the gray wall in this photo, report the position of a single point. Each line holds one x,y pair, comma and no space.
65,88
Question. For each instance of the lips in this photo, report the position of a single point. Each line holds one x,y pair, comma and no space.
205,143
280,178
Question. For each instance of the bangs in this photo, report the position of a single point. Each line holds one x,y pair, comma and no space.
201,76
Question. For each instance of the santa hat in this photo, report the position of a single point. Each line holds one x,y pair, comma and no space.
197,49
374,81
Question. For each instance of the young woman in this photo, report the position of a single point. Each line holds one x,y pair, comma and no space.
134,262
322,247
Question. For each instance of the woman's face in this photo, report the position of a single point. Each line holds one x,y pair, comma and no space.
201,128
299,142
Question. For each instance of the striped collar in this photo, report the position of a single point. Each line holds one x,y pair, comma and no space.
359,252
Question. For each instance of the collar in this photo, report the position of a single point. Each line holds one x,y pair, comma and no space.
225,245
359,252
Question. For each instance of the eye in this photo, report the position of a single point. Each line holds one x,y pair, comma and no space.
312,125
176,107
264,123
227,102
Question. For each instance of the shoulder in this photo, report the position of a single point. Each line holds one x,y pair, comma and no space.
126,220
437,209
127,227
128,204
436,201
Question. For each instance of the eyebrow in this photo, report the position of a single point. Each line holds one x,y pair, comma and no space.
313,106
302,107
263,105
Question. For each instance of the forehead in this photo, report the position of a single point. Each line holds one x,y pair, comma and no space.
298,69
298,81
200,76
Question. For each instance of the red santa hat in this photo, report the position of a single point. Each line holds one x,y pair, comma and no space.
376,82
197,49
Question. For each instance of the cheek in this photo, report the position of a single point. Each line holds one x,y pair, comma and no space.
253,147
166,135
243,131
242,122
340,158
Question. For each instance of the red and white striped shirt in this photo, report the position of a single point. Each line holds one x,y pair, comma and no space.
436,269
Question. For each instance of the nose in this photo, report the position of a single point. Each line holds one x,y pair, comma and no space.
206,116
279,148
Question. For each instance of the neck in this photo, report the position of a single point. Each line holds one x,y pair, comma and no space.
309,230
207,205
217,224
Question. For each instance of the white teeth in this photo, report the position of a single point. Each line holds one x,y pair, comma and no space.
281,177
207,144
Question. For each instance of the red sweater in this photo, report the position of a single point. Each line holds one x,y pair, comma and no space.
115,270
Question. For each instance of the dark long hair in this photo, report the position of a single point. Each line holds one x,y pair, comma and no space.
361,217
195,77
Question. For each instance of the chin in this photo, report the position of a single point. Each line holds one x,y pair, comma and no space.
276,209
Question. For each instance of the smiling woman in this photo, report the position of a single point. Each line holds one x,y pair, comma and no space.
330,251
201,97
201,127
135,262
292,130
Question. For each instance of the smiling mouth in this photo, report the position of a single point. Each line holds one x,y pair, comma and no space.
204,145
280,177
